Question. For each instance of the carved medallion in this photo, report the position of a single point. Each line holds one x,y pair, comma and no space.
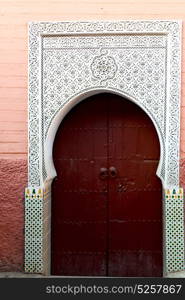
104,66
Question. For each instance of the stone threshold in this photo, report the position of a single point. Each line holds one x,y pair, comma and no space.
180,274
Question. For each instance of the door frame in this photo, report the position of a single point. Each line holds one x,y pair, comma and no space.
160,41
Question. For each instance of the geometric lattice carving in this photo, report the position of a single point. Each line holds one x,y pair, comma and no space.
138,71
137,59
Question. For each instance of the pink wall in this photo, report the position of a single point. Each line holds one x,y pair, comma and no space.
14,16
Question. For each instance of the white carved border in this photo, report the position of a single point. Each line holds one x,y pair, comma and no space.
41,169
172,29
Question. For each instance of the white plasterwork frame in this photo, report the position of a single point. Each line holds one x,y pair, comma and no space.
41,168
172,29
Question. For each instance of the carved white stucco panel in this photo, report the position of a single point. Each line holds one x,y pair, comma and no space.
139,59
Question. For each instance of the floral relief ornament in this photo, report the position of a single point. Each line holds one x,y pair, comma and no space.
147,30
104,66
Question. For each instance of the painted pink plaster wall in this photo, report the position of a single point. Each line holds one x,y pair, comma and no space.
13,178
14,16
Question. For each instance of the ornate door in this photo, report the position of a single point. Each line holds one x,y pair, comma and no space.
106,198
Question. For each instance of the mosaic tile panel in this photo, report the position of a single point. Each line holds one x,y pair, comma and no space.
47,229
174,229
37,231
33,230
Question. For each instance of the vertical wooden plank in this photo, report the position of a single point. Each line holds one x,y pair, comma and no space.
79,194
135,196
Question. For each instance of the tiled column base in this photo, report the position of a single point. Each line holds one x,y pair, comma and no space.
34,230
174,230
37,230
47,229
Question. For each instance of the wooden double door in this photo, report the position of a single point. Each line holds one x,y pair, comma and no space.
106,198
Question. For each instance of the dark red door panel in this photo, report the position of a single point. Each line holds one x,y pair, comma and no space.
106,199
135,206
79,195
